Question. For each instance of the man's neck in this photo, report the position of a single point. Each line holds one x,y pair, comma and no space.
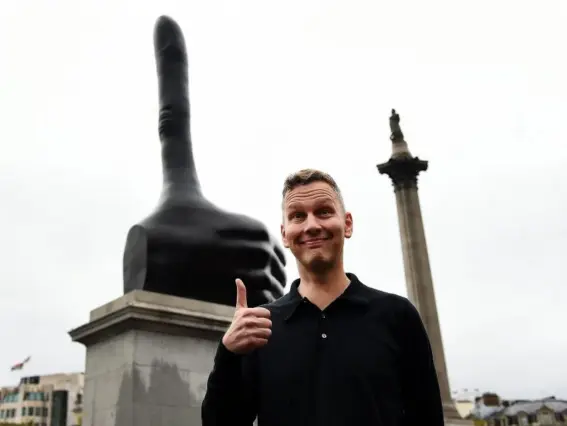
322,289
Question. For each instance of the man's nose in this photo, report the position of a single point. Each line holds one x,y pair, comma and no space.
312,225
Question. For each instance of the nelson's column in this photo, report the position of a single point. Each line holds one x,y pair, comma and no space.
403,169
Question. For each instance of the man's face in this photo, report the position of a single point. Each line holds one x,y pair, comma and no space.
315,225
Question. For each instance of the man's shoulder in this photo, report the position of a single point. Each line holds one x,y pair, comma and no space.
382,299
393,308
282,303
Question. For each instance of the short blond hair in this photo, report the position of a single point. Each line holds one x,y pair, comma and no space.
307,176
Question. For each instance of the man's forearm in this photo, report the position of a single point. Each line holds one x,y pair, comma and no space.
227,401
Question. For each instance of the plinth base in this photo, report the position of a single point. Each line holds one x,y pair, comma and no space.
458,422
452,416
148,359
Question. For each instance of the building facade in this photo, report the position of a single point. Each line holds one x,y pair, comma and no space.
50,400
490,410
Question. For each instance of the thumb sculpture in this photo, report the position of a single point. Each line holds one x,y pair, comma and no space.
187,246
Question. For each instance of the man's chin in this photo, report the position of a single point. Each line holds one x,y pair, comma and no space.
319,264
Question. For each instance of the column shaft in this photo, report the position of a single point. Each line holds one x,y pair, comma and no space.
419,282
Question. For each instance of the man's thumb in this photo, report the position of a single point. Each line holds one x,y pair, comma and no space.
241,301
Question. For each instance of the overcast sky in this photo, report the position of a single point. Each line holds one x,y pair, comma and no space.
480,86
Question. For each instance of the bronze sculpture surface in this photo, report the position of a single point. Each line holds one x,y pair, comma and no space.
187,246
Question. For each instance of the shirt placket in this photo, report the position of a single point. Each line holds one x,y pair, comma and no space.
320,365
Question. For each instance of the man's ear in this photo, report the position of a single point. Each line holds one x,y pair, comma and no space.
284,238
348,225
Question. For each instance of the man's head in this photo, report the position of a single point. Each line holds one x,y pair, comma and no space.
315,221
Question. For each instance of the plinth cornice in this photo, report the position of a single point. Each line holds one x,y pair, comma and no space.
142,310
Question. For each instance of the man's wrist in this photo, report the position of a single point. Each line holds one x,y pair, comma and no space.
226,356
225,351
228,364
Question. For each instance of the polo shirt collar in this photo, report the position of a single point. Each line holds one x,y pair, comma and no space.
354,293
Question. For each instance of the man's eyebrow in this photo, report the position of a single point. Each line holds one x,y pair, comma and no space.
324,201
292,206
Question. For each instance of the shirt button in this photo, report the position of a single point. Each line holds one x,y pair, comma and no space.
323,316
324,336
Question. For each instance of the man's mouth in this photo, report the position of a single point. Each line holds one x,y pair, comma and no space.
314,242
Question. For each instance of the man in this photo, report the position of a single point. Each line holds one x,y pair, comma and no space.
332,351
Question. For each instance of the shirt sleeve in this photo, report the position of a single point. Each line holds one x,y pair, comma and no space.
231,396
420,387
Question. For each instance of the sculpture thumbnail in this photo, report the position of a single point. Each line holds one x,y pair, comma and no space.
188,247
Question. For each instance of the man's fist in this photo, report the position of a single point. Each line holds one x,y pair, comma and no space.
188,247
250,328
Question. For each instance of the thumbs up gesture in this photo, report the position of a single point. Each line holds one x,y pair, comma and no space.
187,246
250,328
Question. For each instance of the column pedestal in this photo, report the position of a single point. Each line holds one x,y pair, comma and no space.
148,359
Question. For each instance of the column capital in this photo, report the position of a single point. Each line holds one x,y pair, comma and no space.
403,171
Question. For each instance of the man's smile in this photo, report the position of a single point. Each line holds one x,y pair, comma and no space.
315,242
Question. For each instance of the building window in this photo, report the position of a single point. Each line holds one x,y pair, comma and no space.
35,396
32,380
45,412
58,411
13,397
524,421
545,419
558,416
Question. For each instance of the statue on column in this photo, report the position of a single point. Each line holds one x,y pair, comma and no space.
395,128
187,246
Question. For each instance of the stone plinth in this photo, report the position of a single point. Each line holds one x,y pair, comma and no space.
148,359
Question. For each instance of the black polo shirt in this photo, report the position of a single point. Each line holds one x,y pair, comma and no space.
363,360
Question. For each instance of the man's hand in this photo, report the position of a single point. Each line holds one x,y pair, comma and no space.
250,328
187,246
